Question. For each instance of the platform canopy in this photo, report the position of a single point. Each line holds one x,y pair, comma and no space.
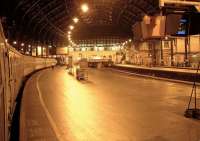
45,20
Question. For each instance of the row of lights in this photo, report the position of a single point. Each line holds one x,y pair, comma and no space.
126,42
23,44
84,8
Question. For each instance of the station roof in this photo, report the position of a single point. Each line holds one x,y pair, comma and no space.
47,20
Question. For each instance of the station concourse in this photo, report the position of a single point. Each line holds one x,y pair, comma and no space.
99,70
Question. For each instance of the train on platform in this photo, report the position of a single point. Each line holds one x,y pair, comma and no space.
14,67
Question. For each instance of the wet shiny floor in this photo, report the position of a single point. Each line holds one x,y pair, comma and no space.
115,107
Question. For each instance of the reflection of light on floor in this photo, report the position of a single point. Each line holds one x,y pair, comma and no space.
80,109
87,119
122,108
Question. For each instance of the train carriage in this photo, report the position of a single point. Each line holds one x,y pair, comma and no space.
14,67
3,89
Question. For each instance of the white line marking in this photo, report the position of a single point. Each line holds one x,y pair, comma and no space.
52,122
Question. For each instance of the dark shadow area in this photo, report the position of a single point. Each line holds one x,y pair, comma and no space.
15,124
86,81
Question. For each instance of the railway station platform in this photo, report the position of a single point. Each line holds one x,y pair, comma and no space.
34,123
109,106
168,73
60,79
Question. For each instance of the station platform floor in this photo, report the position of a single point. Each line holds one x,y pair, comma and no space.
173,69
109,106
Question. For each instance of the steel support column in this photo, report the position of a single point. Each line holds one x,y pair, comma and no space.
172,53
161,52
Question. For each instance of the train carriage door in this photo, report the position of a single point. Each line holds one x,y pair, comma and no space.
15,77
11,83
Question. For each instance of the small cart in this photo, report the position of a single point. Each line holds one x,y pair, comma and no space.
81,74
82,70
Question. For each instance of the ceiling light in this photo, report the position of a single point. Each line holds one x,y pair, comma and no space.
76,20
71,27
166,37
84,7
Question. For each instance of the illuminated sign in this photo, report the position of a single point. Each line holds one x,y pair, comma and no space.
183,27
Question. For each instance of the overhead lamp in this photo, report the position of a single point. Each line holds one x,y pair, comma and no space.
15,42
29,46
71,27
129,40
194,55
69,32
22,44
75,20
84,7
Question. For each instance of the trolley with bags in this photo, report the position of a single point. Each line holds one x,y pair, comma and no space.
82,70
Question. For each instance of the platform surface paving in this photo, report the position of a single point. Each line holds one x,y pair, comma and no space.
110,106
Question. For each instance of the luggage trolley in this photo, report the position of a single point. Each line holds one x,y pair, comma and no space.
82,70
81,74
